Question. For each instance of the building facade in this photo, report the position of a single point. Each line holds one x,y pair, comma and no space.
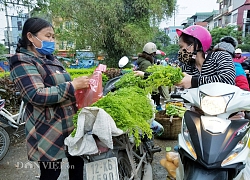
14,32
233,12
171,32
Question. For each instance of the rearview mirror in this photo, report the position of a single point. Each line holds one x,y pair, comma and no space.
123,61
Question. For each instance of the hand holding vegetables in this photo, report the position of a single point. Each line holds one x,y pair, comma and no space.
186,81
159,76
139,73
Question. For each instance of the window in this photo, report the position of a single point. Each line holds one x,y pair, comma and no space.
235,18
220,23
67,25
19,25
70,44
228,19
61,45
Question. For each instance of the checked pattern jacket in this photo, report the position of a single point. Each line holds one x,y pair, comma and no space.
48,94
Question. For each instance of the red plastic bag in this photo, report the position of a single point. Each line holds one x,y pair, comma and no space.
87,96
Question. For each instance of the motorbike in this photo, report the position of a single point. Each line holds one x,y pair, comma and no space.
7,119
4,136
125,161
213,141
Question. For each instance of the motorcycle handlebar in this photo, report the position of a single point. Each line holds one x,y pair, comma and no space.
178,96
175,96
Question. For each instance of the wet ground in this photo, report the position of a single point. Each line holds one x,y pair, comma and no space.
15,165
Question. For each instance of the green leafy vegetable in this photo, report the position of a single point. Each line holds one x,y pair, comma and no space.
130,80
160,76
172,110
75,117
131,110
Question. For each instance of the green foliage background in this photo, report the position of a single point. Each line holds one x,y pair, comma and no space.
115,27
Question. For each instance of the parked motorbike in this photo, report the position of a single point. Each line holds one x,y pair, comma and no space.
4,136
7,119
212,146
125,161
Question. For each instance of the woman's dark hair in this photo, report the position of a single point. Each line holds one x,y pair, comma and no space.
32,25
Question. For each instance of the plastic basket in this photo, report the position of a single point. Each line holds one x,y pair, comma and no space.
172,126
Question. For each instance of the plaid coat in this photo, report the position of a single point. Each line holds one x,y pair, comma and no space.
50,103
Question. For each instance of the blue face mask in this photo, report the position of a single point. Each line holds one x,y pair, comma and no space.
48,47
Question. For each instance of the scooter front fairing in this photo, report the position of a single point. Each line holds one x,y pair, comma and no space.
208,141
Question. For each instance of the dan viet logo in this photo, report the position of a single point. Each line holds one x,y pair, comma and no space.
47,165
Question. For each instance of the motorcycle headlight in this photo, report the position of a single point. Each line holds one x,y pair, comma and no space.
238,148
214,105
188,140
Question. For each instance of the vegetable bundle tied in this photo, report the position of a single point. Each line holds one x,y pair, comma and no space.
173,110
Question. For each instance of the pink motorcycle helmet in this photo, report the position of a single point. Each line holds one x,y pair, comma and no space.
200,33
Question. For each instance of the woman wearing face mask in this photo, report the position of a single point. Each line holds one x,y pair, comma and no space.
217,66
194,42
48,92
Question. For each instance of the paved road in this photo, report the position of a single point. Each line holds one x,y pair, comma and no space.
15,165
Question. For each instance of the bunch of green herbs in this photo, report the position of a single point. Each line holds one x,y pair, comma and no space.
130,80
131,110
162,76
159,76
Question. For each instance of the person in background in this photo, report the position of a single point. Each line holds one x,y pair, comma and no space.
228,44
165,62
238,57
246,66
48,92
77,61
146,59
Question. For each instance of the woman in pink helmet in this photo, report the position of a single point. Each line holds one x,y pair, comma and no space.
199,68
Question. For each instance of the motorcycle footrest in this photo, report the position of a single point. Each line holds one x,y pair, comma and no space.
155,149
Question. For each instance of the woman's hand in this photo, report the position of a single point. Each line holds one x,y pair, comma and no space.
186,81
80,82
139,73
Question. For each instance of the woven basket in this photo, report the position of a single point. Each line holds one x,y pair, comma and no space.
171,129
